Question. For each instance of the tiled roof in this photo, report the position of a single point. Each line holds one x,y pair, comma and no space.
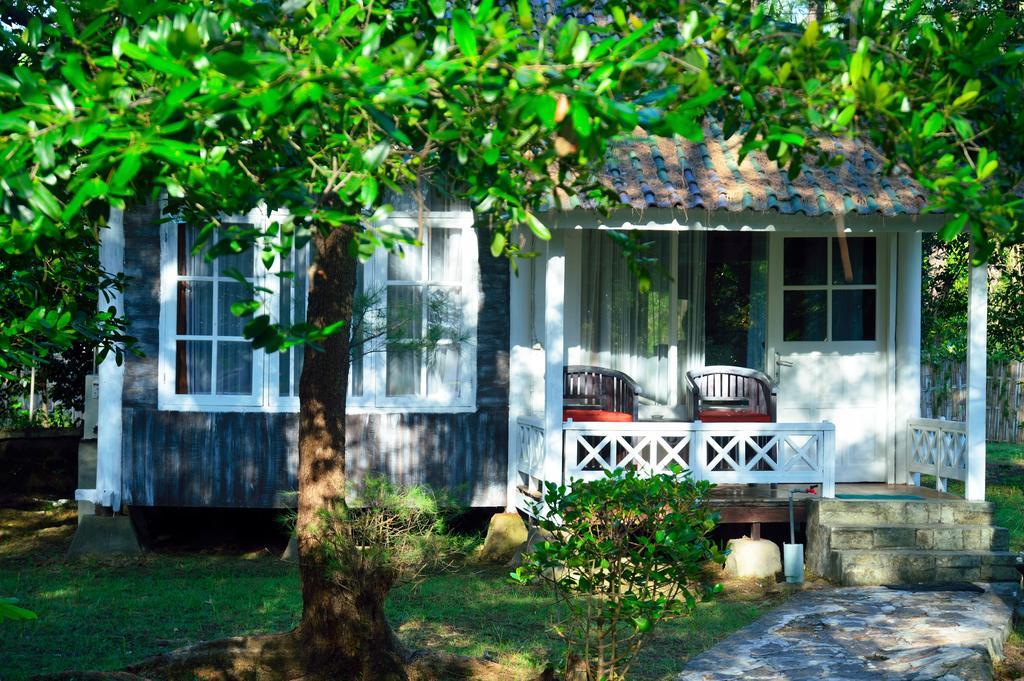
657,172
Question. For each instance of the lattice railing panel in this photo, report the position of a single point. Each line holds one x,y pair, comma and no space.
721,453
937,448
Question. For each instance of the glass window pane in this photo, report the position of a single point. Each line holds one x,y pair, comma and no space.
445,254
406,265
861,265
284,301
284,372
193,367
300,286
443,371
195,308
444,313
735,299
403,370
189,264
229,292
853,315
405,312
242,262
804,315
234,368
805,261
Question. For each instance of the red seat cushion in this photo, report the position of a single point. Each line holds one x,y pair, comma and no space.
733,416
596,415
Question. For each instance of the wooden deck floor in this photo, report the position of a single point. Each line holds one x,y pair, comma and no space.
762,504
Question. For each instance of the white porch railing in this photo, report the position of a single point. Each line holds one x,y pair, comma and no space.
939,448
529,443
723,453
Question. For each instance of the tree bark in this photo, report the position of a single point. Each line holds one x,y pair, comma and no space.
343,631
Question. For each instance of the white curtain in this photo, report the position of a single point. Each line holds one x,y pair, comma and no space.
622,328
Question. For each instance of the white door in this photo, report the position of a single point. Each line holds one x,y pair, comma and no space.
828,312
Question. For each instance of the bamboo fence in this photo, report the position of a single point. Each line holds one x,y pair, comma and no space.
944,394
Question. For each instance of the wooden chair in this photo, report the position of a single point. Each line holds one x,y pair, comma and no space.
598,394
724,394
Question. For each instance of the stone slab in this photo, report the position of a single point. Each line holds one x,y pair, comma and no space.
867,634
102,536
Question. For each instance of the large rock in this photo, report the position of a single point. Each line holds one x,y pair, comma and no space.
505,535
753,558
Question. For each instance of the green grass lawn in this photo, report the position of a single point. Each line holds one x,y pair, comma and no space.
104,615
1005,488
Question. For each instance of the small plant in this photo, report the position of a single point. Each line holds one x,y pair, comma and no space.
15,416
389,532
626,553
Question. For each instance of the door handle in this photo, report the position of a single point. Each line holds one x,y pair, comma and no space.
779,363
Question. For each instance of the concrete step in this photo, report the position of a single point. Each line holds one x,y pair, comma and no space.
900,512
856,567
930,536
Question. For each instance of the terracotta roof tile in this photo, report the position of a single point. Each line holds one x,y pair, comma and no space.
653,172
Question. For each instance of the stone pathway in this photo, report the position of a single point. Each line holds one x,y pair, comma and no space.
867,633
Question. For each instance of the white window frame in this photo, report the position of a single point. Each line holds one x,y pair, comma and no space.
265,396
167,398
842,346
375,398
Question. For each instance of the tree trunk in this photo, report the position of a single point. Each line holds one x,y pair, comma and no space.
343,632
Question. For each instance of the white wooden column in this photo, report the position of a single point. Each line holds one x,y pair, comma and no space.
554,354
908,347
520,291
111,378
977,320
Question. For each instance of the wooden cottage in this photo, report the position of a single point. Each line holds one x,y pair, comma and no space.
814,283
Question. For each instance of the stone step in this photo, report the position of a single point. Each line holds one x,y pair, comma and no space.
931,536
905,512
856,567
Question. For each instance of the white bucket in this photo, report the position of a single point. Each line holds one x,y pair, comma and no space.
793,563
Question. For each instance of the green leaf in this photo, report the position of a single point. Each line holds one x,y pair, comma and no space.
121,38
932,125
987,169
127,171
524,12
846,116
438,8
61,97
242,308
498,242
465,38
376,154
581,49
953,227
970,92
581,120
537,227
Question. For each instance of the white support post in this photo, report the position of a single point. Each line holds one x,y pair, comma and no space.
111,378
908,348
520,292
828,443
977,320
554,355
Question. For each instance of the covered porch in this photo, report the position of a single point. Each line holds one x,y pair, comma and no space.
867,430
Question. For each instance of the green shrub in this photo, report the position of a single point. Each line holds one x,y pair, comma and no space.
626,553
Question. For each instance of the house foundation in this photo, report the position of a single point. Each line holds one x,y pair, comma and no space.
104,536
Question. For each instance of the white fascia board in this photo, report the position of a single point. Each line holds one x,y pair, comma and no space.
676,220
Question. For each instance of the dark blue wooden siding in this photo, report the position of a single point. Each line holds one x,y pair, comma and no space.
248,459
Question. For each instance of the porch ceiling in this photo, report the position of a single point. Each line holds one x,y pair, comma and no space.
657,172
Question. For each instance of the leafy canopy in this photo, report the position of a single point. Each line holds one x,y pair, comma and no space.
320,109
